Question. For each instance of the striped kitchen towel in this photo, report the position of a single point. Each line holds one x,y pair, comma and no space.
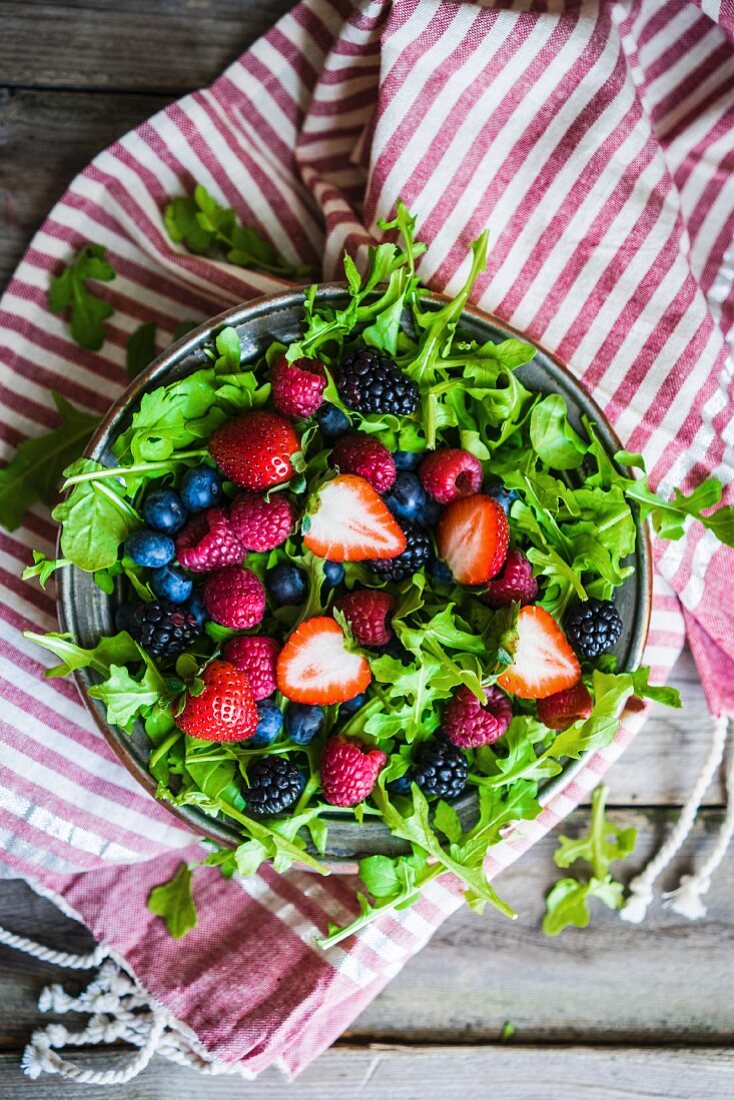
596,141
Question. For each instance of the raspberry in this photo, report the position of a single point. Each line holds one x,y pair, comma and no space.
360,454
349,770
416,554
367,611
261,524
274,785
593,627
208,542
235,597
468,723
255,655
440,769
450,474
561,710
298,387
515,584
225,710
162,628
371,382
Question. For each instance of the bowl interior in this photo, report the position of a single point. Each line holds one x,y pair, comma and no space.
88,613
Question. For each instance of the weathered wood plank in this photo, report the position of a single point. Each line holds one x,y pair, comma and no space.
402,1073
668,981
149,44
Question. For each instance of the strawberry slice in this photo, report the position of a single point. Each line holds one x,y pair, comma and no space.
473,535
351,522
544,661
315,666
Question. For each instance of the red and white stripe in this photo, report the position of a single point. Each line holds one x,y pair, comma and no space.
597,145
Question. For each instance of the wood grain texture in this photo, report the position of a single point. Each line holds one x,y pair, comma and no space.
668,981
170,46
452,1073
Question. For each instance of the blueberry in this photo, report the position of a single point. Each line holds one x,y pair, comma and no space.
397,651
401,785
333,573
197,609
332,421
287,584
408,460
440,572
150,548
163,511
124,614
303,722
201,488
171,585
269,722
430,514
353,705
504,497
407,499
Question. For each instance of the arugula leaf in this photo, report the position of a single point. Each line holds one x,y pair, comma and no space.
43,567
140,349
69,291
174,902
112,649
552,436
125,697
206,228
567,903
35,471
95,520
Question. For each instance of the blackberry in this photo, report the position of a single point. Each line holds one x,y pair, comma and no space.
275,784
440,769
593,627
371,382
163,629
416,554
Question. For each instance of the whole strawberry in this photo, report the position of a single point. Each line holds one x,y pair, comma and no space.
225,710
255,655
561,710
255,450
368,610
235,597
262,524
448,474
515,584
298,387
468,723
361,454
208,542
349,770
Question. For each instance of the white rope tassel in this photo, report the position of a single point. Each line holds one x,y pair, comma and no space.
686,900
641,887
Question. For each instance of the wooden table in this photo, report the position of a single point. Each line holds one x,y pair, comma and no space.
610,1012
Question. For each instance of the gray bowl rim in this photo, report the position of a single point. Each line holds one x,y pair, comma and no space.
266,305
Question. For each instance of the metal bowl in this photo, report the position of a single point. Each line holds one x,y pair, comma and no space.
87,613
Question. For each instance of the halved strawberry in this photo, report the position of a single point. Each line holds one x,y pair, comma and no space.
351,522
315,666
544,661
473,536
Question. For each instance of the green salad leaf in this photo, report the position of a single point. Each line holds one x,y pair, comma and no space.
140,350
174,902
69,291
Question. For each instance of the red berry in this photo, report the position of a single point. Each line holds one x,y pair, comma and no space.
561,710
235,597
315,666
262,524
468,723
515,584
255,655
351,522
349,771
208,542
367,457
225,710
543,662
298,387
450,474
472,536
367,611
255,450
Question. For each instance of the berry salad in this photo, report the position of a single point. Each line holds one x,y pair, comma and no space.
370,576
